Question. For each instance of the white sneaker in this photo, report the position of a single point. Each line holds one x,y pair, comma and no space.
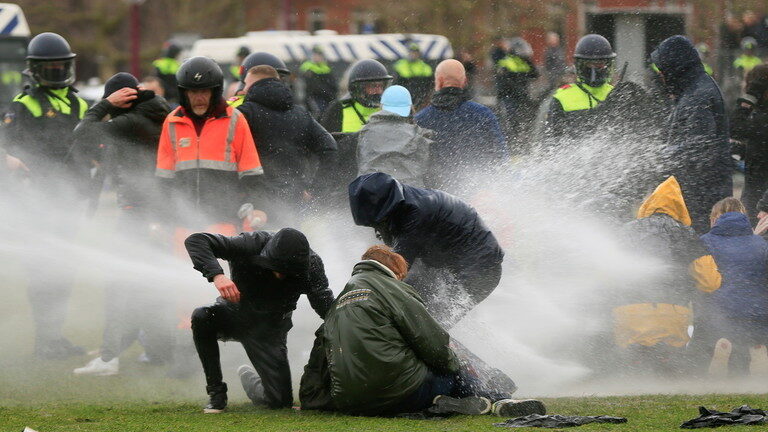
718,367
758,362
98,367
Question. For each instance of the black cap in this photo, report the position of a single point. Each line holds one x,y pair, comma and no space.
118,81
286,252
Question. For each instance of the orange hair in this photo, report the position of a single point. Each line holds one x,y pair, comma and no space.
391,260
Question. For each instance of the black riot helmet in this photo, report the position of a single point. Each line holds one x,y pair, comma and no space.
200,73
362,74
594,60
263,58
51,61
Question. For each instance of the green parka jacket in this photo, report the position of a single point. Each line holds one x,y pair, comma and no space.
380,341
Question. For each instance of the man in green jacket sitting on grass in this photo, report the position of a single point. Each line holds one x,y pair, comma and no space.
386,355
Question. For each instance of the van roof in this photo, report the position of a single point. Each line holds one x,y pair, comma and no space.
12,21
347,48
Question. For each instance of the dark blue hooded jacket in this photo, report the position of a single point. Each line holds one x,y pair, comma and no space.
697,145
429,224
741,258
467,140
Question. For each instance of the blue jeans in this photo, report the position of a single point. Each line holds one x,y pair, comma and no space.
459,385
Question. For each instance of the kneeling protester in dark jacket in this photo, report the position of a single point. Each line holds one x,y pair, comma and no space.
452,244
269,273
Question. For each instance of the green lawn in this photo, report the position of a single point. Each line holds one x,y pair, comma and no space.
645,413
141,401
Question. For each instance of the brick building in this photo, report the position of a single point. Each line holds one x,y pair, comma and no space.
634,27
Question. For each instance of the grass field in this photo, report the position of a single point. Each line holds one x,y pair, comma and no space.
645,413
46,398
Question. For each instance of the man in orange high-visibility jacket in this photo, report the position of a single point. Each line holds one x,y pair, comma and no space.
209,167
206,151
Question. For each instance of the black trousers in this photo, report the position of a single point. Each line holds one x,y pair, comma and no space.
263,337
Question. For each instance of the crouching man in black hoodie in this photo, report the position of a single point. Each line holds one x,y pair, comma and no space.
269,273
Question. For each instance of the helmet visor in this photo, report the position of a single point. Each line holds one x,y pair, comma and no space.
594,72
54,73
368,92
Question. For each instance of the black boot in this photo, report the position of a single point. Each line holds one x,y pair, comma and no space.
217,399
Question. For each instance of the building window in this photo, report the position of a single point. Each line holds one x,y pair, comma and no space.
363,22
316,20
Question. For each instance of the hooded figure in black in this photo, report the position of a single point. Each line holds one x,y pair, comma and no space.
122,131
447,246
697,148
269,273
129,134
288,138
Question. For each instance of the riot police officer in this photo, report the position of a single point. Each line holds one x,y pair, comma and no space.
319,81
594,58
367,81
166,68
253,60
38,130
416,75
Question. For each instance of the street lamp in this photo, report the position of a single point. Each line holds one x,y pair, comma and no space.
135,37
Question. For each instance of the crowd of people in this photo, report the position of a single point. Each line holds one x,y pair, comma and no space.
230,179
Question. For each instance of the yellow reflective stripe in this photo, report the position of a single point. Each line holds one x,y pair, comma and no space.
252,171
235,71
409,69
205,163
166,65
573,98
317,68
231,133
236,101
165,173
32,104
172,135
350,121
83,107
11,77
514,64
747,62
704,271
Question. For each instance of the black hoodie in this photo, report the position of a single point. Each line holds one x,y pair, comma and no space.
253,256
698,152
130,138
286,137
434,226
